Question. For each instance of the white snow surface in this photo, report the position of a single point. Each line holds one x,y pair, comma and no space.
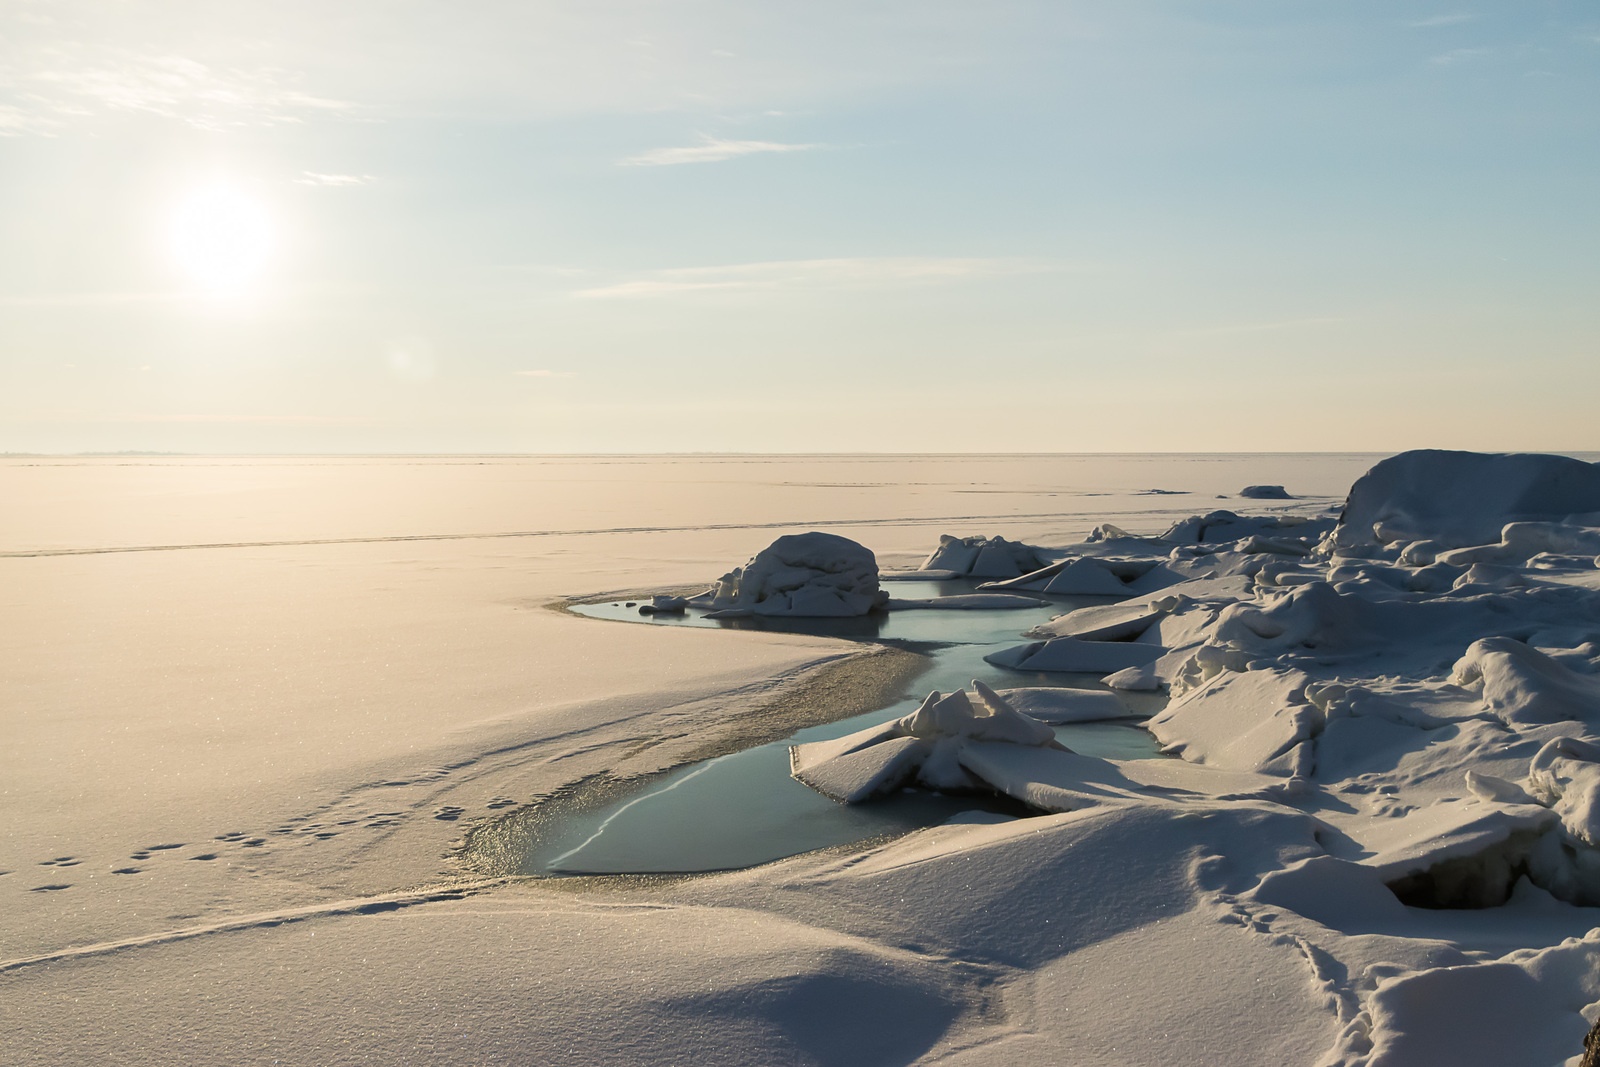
240,771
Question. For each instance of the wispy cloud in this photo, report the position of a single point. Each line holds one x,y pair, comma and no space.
857,273
710,150
47,89
1437,21
1458,55
545,373
309,177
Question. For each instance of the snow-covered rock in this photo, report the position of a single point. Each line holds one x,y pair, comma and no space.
809,574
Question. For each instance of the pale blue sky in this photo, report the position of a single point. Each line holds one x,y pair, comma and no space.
802,226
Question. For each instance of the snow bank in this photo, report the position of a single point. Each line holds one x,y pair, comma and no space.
809,574
1463,498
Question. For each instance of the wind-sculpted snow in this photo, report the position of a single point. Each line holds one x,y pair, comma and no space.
1421,686
808,575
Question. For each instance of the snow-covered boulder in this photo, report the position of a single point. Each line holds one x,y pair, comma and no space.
924,747
983,557
1463,498
809,574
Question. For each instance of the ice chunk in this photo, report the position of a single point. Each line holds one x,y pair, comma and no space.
1086,577
983,557
1056,705
1074,655
1108,622
1463,498
1264,492
1220,527
809,574
1565,776
970,602
855,776
925,745
664,605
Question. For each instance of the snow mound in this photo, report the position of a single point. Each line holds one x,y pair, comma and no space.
983,557
809,575
924,747
1523,685
1463,498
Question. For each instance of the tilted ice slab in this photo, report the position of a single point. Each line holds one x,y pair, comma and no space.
924,747
1079,576
968,602
808,575
1072,655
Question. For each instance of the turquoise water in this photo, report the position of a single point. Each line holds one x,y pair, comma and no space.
743,809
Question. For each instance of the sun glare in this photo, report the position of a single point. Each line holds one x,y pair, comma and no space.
221,238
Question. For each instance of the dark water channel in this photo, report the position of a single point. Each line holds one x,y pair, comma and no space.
743,809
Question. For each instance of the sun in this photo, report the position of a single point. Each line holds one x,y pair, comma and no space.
221,238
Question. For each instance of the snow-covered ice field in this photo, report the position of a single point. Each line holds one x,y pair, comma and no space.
253,708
